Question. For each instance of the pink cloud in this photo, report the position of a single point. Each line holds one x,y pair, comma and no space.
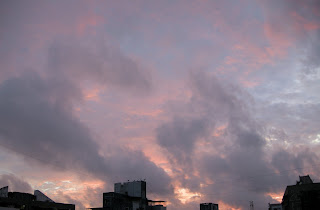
303,24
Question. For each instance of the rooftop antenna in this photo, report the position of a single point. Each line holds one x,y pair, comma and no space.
251,205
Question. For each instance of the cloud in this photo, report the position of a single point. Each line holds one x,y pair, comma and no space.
311,61
67,199
15,183
35,115
27,27
218,140
54,27
237,159
101,63
38,122
179,137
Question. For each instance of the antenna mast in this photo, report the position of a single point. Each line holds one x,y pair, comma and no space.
251,205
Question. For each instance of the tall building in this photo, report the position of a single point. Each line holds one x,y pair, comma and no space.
305,195
209,206
133,189
129,196
4,192
27,201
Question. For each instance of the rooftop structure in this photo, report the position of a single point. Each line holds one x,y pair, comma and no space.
27,201
209,206
133,189
305,195
129,196
275,206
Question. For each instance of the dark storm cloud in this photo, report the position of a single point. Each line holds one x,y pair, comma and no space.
179,136
241,162
34,116
211,103
37,116
14,183
36,120
242,153
37,112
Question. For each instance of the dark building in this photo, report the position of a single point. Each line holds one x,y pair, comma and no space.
27,201
157,207
209,206
275,206
116,201
305,195
129,196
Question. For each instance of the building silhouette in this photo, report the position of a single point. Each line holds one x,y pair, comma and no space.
275,206
129,196
27,201
209,206
304,195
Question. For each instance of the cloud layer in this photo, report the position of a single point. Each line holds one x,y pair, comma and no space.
207,101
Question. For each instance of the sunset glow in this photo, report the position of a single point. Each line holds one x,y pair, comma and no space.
207,101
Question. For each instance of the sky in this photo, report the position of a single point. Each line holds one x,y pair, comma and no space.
208,101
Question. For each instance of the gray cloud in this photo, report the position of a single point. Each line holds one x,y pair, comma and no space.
240,167
15,183
37,117
26,27
179,136
67,199
37,111
303,118
299,20
311,61
34,115
36,23
38,121
103,63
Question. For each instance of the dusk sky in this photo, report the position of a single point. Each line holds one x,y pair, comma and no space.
208,101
